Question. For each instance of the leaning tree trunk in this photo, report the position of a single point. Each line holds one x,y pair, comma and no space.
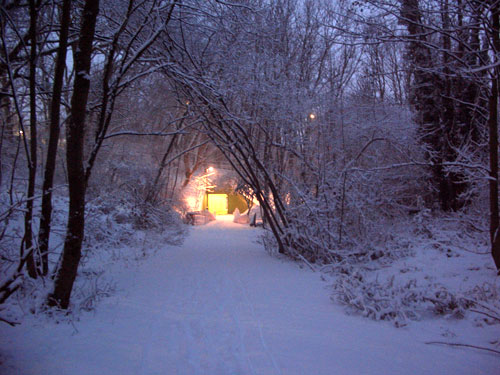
493,144
55,114
74,158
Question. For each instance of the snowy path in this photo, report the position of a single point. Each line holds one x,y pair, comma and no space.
221,305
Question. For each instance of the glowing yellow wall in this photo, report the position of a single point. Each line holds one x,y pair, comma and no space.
217,204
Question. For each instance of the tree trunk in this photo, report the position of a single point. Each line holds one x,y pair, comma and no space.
493,143
50,165
434,98
74,159
31,265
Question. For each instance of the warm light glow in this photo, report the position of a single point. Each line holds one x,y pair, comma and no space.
192,203
217,204
210,169
312,116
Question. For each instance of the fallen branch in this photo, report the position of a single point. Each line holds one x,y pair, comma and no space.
464,346
13,324
486,314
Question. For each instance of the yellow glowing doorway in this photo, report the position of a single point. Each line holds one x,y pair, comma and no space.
217,204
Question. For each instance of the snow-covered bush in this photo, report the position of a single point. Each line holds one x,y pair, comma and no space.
119,231
379,301
373,179
11,229
395,301
399,302
114,221
428,274
92,287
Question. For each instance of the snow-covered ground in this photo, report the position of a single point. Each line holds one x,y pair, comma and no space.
219,304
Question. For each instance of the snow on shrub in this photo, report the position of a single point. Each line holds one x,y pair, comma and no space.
118,220
400,302
433,277
379,301
397,302
119,231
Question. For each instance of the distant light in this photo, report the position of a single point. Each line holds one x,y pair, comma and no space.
312,116
210,169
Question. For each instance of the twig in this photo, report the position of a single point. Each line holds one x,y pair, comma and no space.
13,324
484,313
306,262
477,303
464,345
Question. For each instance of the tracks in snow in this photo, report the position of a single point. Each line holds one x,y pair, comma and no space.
201,315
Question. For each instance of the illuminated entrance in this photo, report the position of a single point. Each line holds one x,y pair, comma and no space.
217,204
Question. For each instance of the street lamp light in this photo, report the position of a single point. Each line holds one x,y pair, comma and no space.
312,116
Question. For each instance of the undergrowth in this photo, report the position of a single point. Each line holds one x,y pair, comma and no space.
120,231
379,284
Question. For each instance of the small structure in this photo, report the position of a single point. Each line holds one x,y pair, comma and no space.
213,192
199,217
217,203
223,201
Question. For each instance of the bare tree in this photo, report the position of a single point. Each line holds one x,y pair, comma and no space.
32,160
55,110
74,156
